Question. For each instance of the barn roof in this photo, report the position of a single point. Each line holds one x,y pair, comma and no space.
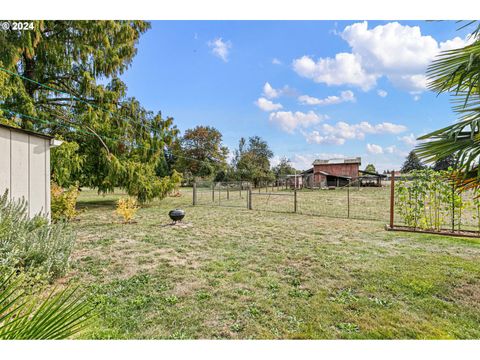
372,174
356,160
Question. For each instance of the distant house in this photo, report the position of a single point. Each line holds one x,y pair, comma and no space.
331,173
294,181
25,167
335,172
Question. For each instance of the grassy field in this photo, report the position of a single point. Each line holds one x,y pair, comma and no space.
231,273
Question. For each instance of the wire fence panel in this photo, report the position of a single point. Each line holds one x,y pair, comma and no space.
233,194
369,203
276,201
331,203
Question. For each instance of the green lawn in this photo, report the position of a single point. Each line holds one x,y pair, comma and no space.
238,274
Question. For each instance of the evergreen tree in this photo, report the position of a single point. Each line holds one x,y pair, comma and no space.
412,162
445,163
110,140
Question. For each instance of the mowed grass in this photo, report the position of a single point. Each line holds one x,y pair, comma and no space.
231,273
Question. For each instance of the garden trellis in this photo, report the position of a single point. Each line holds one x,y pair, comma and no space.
428,200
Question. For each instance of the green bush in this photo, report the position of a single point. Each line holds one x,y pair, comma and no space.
32,245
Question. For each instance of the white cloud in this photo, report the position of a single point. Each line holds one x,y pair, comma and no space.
315,137
396,151
391,149
275,61
220,48
382,93
345,68
374,149
269,91
342,131
305,161
410,140
416,97
344,97
267,105
289,121
399,52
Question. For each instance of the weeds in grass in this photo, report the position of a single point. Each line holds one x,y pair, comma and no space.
348,327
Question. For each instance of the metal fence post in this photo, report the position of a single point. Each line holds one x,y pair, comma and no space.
194,193
213,192
249,198
228,192
392,198
348,200
295,200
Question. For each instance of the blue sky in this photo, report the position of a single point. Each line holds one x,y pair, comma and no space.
312,89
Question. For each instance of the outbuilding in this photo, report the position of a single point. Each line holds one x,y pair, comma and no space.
25,167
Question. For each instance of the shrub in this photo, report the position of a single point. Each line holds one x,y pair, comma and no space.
127,208
63,202
33,244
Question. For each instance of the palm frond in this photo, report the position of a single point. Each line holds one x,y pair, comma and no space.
61,315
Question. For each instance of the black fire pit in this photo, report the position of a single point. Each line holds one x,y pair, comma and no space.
176,215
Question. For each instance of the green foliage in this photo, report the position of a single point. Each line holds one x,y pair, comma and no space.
111,140
32,244
252,160
412,162
200,152
25,317
283,168
457,71
63,202
430,200
66,163
445,163
370,168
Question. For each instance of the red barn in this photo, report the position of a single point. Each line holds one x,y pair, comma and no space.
335,172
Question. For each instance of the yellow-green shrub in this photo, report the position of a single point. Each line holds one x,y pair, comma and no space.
63,202
127,208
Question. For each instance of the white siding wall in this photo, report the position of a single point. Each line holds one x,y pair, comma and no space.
25,169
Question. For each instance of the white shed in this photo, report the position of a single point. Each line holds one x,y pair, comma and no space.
25,167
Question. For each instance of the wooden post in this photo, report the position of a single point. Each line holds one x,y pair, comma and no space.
213,192
228,193
295,200
392,198
249,198
194,193
348,200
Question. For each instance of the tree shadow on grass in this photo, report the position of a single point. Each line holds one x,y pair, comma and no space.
97,204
